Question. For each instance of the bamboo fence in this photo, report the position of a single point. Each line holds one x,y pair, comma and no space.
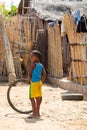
54,51
78,48
79,63
18,29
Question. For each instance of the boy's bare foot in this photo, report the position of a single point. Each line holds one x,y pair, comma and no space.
31,117
38,116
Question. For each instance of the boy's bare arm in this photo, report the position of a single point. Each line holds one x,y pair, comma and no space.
32,66
44,75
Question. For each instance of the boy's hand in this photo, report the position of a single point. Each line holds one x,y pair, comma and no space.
27,80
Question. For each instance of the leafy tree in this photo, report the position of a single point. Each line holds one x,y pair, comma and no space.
6,12
3,10
13,10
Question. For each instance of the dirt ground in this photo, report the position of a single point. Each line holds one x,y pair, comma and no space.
56,114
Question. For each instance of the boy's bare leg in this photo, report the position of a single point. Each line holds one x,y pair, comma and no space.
38,103
33,106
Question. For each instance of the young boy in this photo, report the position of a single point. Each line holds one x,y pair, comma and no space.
36,77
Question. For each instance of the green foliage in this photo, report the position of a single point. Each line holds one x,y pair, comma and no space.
3,10
13,10
6,12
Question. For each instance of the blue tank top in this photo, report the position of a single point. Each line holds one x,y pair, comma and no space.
37,72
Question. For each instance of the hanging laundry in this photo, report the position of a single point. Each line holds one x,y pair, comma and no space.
81,27
76,16
52,24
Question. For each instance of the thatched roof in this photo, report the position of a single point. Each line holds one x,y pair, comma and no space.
55,9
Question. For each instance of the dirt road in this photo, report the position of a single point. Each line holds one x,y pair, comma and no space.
55,113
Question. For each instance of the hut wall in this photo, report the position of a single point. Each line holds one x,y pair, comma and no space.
54,51
70,29
22,34
79,63
78,48
19,33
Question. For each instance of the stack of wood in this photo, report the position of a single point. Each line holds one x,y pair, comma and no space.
54,51
78,48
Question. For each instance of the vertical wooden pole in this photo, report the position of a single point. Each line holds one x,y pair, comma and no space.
7,52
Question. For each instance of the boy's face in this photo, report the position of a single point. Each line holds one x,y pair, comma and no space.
34,58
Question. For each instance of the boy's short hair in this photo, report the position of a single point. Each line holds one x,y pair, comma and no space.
36,53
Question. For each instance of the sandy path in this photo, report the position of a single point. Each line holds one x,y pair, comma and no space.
55,113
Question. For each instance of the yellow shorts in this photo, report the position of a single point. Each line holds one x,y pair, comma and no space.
35,89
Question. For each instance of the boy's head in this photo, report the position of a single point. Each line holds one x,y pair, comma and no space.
35,55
